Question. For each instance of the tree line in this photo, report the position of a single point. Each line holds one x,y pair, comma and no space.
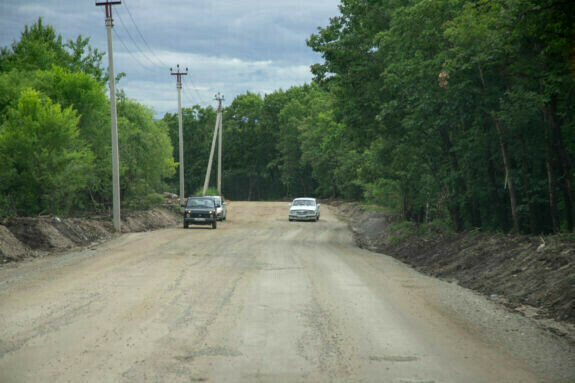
452,110
460,109
55,139
455,111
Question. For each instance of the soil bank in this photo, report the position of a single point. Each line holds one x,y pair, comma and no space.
533,275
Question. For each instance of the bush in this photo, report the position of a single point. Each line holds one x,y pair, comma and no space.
147,202
43,163
209,191
384,192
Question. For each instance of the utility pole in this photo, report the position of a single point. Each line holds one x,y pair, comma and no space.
209,170
113,116
179,75
220,98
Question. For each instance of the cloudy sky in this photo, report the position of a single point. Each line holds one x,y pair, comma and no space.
229,46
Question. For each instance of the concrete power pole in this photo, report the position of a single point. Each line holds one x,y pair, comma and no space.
113,115
220,98
209,170
179,75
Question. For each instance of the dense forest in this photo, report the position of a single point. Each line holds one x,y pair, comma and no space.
453,111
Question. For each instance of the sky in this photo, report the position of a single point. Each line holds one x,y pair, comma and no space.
229,46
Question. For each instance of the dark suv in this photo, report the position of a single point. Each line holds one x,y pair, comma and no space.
200,211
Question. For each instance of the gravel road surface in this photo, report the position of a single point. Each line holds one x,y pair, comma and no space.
259,299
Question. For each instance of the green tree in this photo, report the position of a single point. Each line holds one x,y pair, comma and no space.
40,47
198,125
44,163
146,159
249,143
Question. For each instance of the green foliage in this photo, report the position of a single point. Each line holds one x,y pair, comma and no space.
54,131
148,201
209,191
457,109
145,151
385,193
44,163
249,143
198,126
41,48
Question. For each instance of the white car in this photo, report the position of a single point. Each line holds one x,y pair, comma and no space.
221,207
304,209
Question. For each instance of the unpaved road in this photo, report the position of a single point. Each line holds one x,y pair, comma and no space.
260,299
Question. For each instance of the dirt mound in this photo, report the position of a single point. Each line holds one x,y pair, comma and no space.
534,275
31,237
11,249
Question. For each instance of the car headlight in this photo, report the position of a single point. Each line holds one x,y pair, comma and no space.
212,212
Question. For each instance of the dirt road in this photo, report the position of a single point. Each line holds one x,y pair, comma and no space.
260,299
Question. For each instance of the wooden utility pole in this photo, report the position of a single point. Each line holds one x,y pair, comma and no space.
220,98
113,116
179,75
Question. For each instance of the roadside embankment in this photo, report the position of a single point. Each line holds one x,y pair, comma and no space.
24,237
533,275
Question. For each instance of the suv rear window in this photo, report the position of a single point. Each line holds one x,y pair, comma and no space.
200,202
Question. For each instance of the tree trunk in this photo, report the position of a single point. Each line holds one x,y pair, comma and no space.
528,191
550,176
459,187
508,177
566,167
502,217
302,181
250,185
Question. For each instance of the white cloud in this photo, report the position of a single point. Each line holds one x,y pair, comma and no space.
36,9
229,46
209,75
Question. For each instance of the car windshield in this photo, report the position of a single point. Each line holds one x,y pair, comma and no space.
303,203
200,203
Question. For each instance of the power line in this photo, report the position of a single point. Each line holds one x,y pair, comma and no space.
142,36
140,50
188,97
129,51
196,90
126,48
158,58
155,55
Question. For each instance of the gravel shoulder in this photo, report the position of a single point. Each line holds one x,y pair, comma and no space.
534,276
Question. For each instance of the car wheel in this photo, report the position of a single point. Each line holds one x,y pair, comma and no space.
185,225
214,225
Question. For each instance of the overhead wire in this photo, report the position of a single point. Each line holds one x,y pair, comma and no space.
129,51
138,48
187,97
152,53
142,36
126,47
191,82
196,90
